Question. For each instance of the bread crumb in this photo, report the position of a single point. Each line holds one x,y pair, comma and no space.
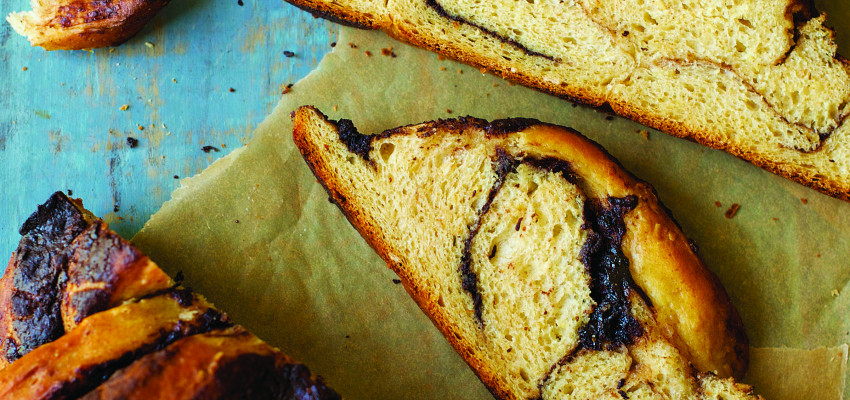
495,85
449,110
441,57
25,68
174,80
149,44
442,68
284,89
644,133
775,219
352,45
368,53
396,281
483,70
834,292
732,210
717,204
460,71
231,90
141,128
288,54
336,107
388,52
125,107
804,201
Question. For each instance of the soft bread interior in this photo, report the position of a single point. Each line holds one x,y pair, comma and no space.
758,78
497,260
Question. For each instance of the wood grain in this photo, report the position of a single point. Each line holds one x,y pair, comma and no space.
62,126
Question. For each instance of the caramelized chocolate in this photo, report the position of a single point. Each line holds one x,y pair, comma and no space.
29,299
102,271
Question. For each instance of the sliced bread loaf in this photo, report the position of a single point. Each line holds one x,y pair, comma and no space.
552,271
117,327
757,78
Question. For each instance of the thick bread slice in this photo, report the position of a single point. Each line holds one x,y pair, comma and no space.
80,24
548,267
757,78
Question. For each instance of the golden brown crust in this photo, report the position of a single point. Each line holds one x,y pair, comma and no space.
464,54
81,359
686,296
80,24
103,270
700,320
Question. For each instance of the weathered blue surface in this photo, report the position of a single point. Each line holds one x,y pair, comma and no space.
61,126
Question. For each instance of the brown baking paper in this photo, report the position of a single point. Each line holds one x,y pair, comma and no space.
256,234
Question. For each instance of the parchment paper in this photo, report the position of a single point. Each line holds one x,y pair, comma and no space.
256,234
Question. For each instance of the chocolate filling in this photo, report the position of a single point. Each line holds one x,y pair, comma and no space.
443,13
611,323
554,165
503,164
357,143
33,298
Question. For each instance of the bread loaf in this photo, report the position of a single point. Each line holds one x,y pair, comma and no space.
117,327
75,24
552,271
757,78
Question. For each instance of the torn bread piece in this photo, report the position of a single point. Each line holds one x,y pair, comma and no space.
552,271
120,327
83,24
758,79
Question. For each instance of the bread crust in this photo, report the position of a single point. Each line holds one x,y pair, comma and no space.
77,24
458,51
693,309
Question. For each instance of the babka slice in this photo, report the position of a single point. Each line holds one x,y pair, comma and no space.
551,270
758,79
120,327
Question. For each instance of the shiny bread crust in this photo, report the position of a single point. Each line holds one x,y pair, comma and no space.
692,307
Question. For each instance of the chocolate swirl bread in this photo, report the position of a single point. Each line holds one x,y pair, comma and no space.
86,315
552,271
83,24
757,78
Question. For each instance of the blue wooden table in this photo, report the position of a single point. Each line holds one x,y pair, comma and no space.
202,73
